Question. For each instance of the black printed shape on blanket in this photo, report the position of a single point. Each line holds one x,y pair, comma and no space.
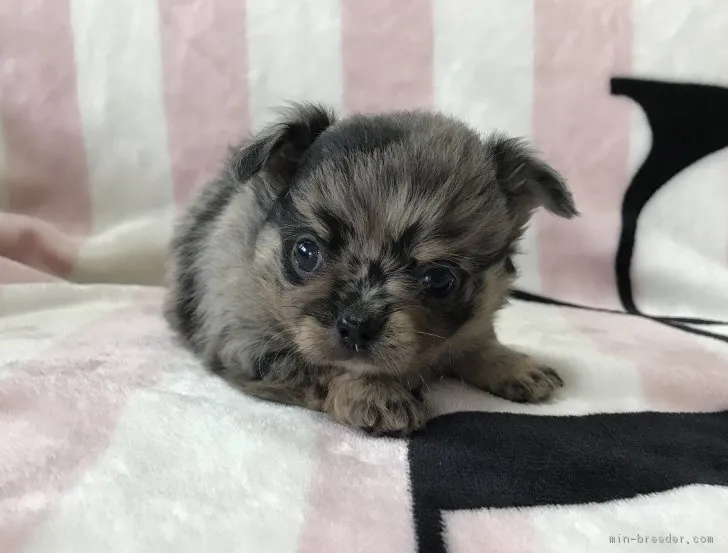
475,460
688,122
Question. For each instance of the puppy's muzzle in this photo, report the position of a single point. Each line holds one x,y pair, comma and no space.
358,331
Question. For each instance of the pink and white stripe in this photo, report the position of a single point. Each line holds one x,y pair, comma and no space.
205,69
46,186
107,129
585,133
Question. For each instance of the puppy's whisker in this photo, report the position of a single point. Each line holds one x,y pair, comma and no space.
431,334
424,383
276,335
392,369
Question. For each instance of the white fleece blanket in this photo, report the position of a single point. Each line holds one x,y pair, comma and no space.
113,438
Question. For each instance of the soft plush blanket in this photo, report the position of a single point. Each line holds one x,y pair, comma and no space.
114,438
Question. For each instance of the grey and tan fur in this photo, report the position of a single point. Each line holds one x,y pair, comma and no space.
339,265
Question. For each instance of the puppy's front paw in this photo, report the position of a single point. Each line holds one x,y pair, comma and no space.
531,383
509,374
377,406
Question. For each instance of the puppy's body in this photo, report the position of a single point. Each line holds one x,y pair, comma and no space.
339,265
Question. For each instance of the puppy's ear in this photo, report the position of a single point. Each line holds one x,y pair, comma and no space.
527,181
277,150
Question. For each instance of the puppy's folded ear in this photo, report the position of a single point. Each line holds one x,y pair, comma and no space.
277,150
527,181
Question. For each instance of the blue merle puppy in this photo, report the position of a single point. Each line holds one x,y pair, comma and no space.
340,265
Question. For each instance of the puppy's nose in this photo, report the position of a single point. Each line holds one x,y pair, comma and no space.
358,333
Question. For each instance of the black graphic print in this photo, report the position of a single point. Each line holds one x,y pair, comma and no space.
497,460
688,122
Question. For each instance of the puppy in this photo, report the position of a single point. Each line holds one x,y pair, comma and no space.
339,265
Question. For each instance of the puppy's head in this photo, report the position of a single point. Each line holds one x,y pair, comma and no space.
390,235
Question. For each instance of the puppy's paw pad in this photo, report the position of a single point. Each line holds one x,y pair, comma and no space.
393,417
530,386
378,410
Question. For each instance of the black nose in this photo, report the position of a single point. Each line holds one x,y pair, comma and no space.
358,333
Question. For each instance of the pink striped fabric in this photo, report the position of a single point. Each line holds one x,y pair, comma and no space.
70,409
585,133
492,531
205,69
377,520
387,54
390,55
46,180
17,273
661,355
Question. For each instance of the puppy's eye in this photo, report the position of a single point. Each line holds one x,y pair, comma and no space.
439,282
307,255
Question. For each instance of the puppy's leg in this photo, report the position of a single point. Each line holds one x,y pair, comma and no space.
509,374
309,395
291,381
375,404
281,376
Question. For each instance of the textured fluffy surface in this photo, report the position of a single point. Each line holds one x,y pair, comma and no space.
113,438
116,439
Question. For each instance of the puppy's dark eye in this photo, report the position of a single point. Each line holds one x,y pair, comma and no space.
439,282
307,255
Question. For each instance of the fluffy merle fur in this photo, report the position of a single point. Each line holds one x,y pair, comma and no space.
385,196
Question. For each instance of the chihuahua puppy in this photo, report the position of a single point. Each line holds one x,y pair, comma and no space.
340,265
